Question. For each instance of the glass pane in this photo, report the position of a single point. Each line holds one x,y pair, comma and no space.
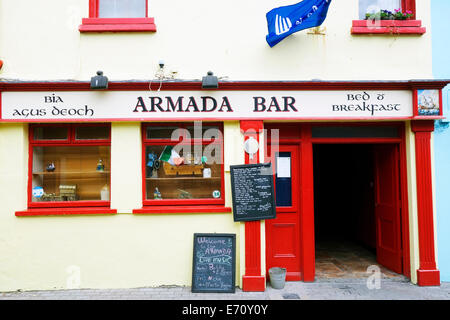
164,133
212,132
355,132
373,6
71,173
183,172
92,133
283,180
51,133
122,9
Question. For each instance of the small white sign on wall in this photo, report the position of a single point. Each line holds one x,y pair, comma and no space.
283,167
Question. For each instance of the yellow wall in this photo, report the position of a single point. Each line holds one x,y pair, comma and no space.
40,40
112,251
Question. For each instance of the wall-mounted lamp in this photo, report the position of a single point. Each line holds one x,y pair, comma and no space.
210,81
1,64
99,82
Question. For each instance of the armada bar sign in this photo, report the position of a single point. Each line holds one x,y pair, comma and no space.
215,105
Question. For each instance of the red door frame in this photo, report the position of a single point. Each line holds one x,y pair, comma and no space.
300,133
288,219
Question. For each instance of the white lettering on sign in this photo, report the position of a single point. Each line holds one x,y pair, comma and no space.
185,105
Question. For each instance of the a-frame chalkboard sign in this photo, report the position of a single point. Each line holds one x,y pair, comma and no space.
214,262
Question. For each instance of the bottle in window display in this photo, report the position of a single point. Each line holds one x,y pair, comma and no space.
104,193
50,167
100,166
157,194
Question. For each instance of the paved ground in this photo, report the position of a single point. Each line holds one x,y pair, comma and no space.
398,288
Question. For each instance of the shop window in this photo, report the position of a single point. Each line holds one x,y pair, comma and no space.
69,165
118,15
183,164
387,17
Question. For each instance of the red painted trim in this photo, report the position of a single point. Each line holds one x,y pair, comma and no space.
65,211
428,277
348,119
253,283
181,202
149,142
181,209
387,23
422,126
307,204
232,85
70,141
96,24
149,26
68,204
409,5
415,103
387,30
252,280
96,21
427,274
255,126
307,182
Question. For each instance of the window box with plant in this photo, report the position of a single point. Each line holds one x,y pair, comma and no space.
397,21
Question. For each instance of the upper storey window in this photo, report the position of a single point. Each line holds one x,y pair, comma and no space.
122,8
118,15
375,6
387,17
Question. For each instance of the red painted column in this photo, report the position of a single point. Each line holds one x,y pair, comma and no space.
427,274
307,204
252,280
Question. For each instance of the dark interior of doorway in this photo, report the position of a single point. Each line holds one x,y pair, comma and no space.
344,211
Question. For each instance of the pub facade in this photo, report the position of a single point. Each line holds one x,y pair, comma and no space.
105,181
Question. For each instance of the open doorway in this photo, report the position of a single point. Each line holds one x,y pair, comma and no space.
351,228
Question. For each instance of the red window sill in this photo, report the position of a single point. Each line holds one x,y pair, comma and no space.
117,25
65,211
388,27
181,209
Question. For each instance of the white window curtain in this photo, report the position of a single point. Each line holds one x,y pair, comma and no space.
371,6
122,9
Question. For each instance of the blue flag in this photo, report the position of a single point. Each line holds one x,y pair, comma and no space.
284,21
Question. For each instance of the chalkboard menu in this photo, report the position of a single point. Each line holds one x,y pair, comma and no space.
214,262
252,192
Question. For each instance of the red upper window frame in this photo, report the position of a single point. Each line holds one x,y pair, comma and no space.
188,205
96,24
411,26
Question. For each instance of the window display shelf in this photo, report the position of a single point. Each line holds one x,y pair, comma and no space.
183,178
71,173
